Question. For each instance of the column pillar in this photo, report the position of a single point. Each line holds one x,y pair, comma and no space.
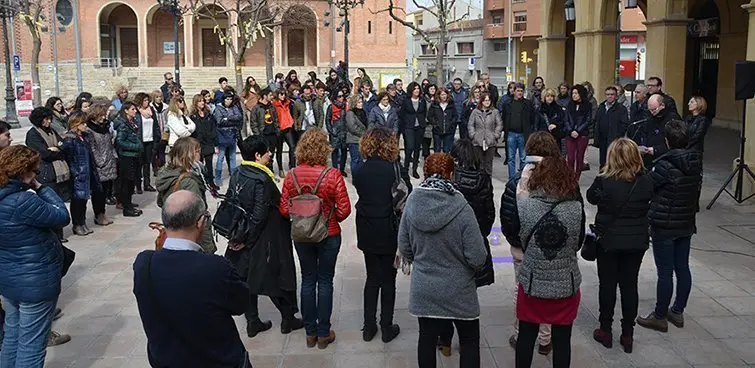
188,42
141,36
666,45
583,56
604,60
749,186
551,59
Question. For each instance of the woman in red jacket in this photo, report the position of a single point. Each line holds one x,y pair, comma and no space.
284,108
318,261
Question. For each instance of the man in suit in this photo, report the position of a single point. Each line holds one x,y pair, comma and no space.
187,298
611,122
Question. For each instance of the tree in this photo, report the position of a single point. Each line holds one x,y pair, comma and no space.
442,10
30,11
248,21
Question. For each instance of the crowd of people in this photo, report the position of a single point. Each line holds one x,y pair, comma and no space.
437,231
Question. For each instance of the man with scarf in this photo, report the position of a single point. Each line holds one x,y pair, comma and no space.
337,129
308,111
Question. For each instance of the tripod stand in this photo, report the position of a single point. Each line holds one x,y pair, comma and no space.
739,171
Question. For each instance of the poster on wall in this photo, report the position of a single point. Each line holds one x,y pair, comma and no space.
387,78
169,48
23,98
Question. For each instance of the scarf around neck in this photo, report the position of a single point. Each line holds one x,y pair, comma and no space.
436,182
361,115
260,166
62,172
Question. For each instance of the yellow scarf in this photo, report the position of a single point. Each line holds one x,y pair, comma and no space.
262,167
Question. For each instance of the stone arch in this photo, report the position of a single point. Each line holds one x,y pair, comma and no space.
211,51
608,12
299,33
118,34
161,38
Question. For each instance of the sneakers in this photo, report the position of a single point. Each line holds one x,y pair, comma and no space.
676,319
288,325
56,338
252,329
323,342
653,323
605,338
389,333
369,332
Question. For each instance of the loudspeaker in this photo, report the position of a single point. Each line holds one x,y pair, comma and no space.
744,83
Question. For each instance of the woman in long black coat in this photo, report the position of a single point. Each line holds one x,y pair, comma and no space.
377,230
266,256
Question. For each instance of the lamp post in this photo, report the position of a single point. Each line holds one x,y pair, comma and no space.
8,10
172,7
570,11
344,7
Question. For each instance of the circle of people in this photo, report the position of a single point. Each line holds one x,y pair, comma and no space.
437,232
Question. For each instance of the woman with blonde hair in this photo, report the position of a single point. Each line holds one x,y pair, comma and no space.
179,125
622,192
184,172
317,260
552,114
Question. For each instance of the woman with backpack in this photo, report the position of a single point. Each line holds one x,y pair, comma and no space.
184,172
376,222
317,259
265,258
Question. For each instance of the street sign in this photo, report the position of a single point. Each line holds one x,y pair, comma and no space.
471,63
529,70
16,63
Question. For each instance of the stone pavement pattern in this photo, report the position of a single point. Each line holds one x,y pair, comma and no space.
102,317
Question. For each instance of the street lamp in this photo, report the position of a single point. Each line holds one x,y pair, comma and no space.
8,9
344,7
570,10
172,7
630,4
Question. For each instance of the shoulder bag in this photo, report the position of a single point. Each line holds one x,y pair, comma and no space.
534,228
591,245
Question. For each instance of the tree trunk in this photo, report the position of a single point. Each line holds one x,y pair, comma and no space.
36,89
440,52
269,43
238,72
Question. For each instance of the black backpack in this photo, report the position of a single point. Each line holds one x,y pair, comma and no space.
231,220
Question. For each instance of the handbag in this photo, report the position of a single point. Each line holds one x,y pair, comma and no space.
231,220
147,279
591,245
68,258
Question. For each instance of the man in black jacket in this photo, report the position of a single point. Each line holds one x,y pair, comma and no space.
187,298
676,176
519,121
610,122
491,88
649,134
637,111
655,87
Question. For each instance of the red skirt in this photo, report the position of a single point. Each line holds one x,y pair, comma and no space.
548,311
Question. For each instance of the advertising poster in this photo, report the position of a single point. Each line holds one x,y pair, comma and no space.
23,98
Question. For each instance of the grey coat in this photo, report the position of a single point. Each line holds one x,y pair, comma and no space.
440,235
549,269
354,128
485,126
105,156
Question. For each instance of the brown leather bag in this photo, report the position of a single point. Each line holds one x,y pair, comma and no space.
162,234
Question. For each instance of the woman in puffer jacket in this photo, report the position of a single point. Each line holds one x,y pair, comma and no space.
31,257
485,126
442,117
105,157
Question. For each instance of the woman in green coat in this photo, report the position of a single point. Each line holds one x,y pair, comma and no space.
184,172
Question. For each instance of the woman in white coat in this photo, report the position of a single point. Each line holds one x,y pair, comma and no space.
179,124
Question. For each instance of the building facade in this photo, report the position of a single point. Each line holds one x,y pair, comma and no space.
132,43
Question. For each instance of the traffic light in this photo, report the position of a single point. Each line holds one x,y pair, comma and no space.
524,57
639,57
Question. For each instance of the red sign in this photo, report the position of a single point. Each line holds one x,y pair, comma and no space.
629,39
23,98
626,68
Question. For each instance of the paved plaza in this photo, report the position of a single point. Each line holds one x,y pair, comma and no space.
102,318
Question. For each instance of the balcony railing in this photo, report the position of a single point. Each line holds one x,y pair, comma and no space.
492,31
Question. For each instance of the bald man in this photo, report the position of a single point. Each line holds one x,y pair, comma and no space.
650,135
187,298
637,111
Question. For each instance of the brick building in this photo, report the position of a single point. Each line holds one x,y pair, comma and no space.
132,43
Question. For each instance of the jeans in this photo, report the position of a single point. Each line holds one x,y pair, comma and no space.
318,266
286,304
146,162
338,156
575,153
603,152
27,326
287,136
620,268
355,155
412,145
672,258
469,341
381,279
223,151
514,143
525,345
443,143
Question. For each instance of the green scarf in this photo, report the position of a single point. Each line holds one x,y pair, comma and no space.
261,167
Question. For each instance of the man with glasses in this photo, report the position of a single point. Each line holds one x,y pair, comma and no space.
655,87
188,298
167,86
611,121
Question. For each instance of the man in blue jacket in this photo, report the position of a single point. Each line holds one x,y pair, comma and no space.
187,298
459,96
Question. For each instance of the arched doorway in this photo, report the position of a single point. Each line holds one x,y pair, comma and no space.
299,34
212,52
119,36
703,52
161,38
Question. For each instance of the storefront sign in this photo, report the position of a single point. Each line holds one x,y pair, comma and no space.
629,39
169,48
627,68
704,27
23,98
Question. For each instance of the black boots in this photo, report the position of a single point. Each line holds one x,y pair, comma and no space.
389,333
252,329
369,332
288,325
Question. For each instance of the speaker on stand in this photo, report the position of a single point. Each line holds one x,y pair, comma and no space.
744,86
